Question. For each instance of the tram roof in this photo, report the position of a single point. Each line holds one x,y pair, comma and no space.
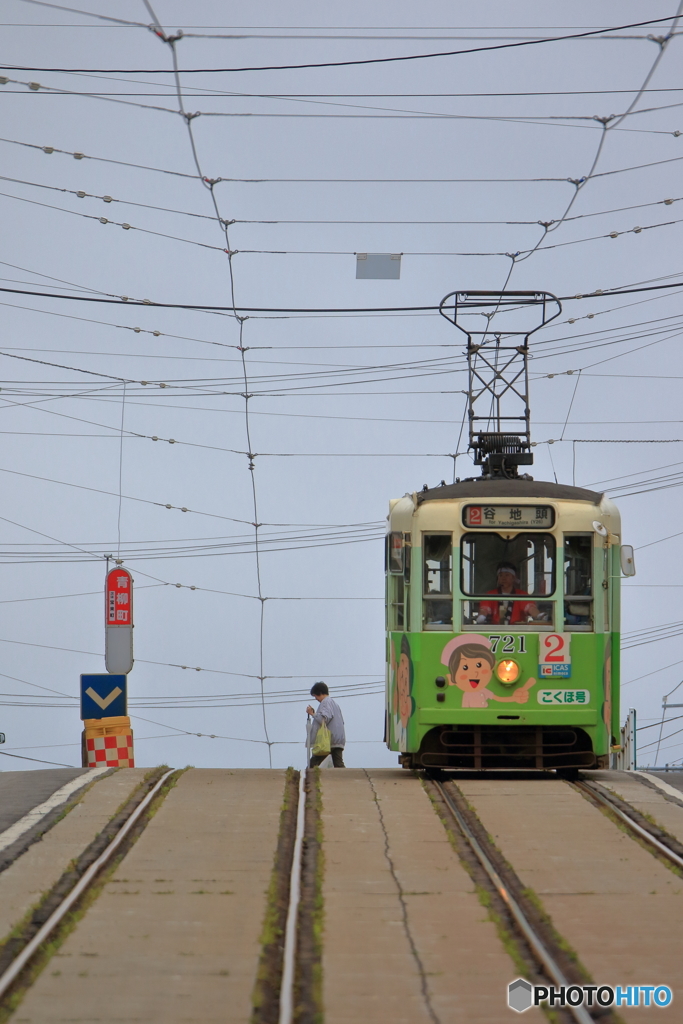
488,490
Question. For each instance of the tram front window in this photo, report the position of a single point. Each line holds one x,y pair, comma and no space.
437,587
511,576
578,582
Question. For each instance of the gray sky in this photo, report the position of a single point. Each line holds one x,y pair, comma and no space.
347,411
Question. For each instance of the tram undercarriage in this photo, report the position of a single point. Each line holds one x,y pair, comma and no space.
498,746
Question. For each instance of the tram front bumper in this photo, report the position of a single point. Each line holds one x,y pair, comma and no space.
513,715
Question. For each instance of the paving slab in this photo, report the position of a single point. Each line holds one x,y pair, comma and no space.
174,935
370,973
20,792
647,799
619,908
36,871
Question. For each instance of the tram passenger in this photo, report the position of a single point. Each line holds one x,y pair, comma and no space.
502,612
329,714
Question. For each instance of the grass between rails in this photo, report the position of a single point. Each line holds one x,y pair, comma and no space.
266,993
318,910
498,914
643,820
48,902
20,927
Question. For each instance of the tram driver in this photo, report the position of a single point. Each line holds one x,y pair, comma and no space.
508,612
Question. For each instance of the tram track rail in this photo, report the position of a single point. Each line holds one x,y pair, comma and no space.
288,983
19,955
660,843
537,945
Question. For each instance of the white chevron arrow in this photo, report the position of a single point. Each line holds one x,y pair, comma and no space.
104,702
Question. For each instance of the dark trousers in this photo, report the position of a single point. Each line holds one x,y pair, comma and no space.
337,758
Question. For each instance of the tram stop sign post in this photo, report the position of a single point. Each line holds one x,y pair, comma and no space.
118,621
104,696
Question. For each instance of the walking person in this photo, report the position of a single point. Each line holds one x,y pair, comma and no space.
328,714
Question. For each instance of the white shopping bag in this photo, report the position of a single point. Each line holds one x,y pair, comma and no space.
327,763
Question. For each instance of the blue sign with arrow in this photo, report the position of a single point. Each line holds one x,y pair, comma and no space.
104,696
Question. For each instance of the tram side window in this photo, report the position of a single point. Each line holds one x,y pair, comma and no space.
397,596
578,581
398,551
437,588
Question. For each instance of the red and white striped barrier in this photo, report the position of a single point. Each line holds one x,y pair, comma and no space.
112,751
108,743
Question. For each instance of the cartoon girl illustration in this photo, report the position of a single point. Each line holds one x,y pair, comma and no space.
403,703
470,664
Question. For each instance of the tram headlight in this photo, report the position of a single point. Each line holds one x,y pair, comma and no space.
508,671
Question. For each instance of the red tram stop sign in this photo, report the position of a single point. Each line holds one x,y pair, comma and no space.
118,621
119,598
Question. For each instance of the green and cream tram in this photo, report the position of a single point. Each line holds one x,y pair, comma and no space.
503,626
503,592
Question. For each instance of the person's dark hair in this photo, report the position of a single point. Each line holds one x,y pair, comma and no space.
472,650
319,688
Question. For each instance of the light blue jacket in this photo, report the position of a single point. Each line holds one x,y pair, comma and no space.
329,712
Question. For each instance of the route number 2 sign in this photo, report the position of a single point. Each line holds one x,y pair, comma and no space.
554,658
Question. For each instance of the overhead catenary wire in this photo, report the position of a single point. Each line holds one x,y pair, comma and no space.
204,341
387,113
350,309
607,122
170,41
326,64
318,252
192,668
76,154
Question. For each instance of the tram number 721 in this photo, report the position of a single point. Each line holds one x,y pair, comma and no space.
508,644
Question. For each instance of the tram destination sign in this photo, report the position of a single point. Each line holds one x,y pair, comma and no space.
510,517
